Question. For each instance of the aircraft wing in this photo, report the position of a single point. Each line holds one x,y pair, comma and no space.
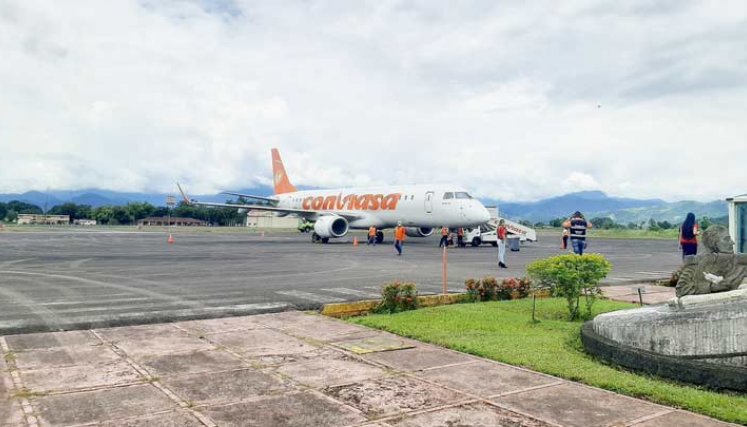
250,196
308,214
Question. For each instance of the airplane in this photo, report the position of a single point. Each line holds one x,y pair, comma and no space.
419,208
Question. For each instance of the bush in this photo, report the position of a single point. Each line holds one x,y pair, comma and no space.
472,288
397,296
488,289
572,276
513,288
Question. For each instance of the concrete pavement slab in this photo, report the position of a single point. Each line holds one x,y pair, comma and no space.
224,387
313,326
472,415
261,342
51,340
651,294
80,377
418,358
100,405
66,356
375,344
287,359
144,341
169,419
227,324
329,372
11,413
135,333
307,408
191,363
574,405
681,419
484,379
391,395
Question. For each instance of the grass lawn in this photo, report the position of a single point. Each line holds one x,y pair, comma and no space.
502,330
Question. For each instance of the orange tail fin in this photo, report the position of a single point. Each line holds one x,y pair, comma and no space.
279,177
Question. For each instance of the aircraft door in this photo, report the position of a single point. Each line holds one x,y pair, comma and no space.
429,202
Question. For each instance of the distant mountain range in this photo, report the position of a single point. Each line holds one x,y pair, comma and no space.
591,203
622,210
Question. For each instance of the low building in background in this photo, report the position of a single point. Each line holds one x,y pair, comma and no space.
84,222
173,221
43,219
738,222
263,219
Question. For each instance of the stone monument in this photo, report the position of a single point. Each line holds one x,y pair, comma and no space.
700,336
720,270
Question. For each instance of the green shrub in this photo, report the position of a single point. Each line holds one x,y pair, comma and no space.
472,288
397,296
487,288
513,288
571,277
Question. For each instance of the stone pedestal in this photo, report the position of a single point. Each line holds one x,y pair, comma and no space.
703,333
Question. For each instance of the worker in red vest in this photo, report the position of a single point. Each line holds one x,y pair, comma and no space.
460,237
444,237
500,234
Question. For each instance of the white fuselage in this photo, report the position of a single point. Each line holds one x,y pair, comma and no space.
419,205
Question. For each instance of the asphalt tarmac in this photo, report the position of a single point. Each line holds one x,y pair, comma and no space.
63,280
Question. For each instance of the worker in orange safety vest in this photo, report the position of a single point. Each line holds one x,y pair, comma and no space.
460,237
372,235
444,237
399,237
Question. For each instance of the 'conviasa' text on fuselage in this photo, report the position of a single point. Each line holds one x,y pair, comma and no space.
353,202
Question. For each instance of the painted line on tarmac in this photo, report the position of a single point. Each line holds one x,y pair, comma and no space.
310,297
77,263
7,264
353,292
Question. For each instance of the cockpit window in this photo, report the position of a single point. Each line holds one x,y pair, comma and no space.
448,196
463,195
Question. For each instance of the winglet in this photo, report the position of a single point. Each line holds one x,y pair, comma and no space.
279,177
184,196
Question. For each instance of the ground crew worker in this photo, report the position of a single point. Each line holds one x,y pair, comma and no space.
500,234
399,237
578,226
444,237
460,237
372,235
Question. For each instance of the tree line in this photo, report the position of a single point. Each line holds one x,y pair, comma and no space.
127,214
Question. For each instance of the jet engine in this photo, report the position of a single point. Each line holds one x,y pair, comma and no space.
419,231
331,226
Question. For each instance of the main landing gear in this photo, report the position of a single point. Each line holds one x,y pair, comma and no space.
379,237
315,238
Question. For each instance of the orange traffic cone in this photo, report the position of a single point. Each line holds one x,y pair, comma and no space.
355,241
170,240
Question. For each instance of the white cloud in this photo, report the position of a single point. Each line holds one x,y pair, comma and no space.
515,101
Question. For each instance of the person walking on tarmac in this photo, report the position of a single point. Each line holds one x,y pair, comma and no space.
444,237
371,235
460,237
399,237
500,234
578,226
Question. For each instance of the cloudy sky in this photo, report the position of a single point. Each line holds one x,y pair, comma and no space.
514,100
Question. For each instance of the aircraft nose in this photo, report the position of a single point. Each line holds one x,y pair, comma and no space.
483,215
